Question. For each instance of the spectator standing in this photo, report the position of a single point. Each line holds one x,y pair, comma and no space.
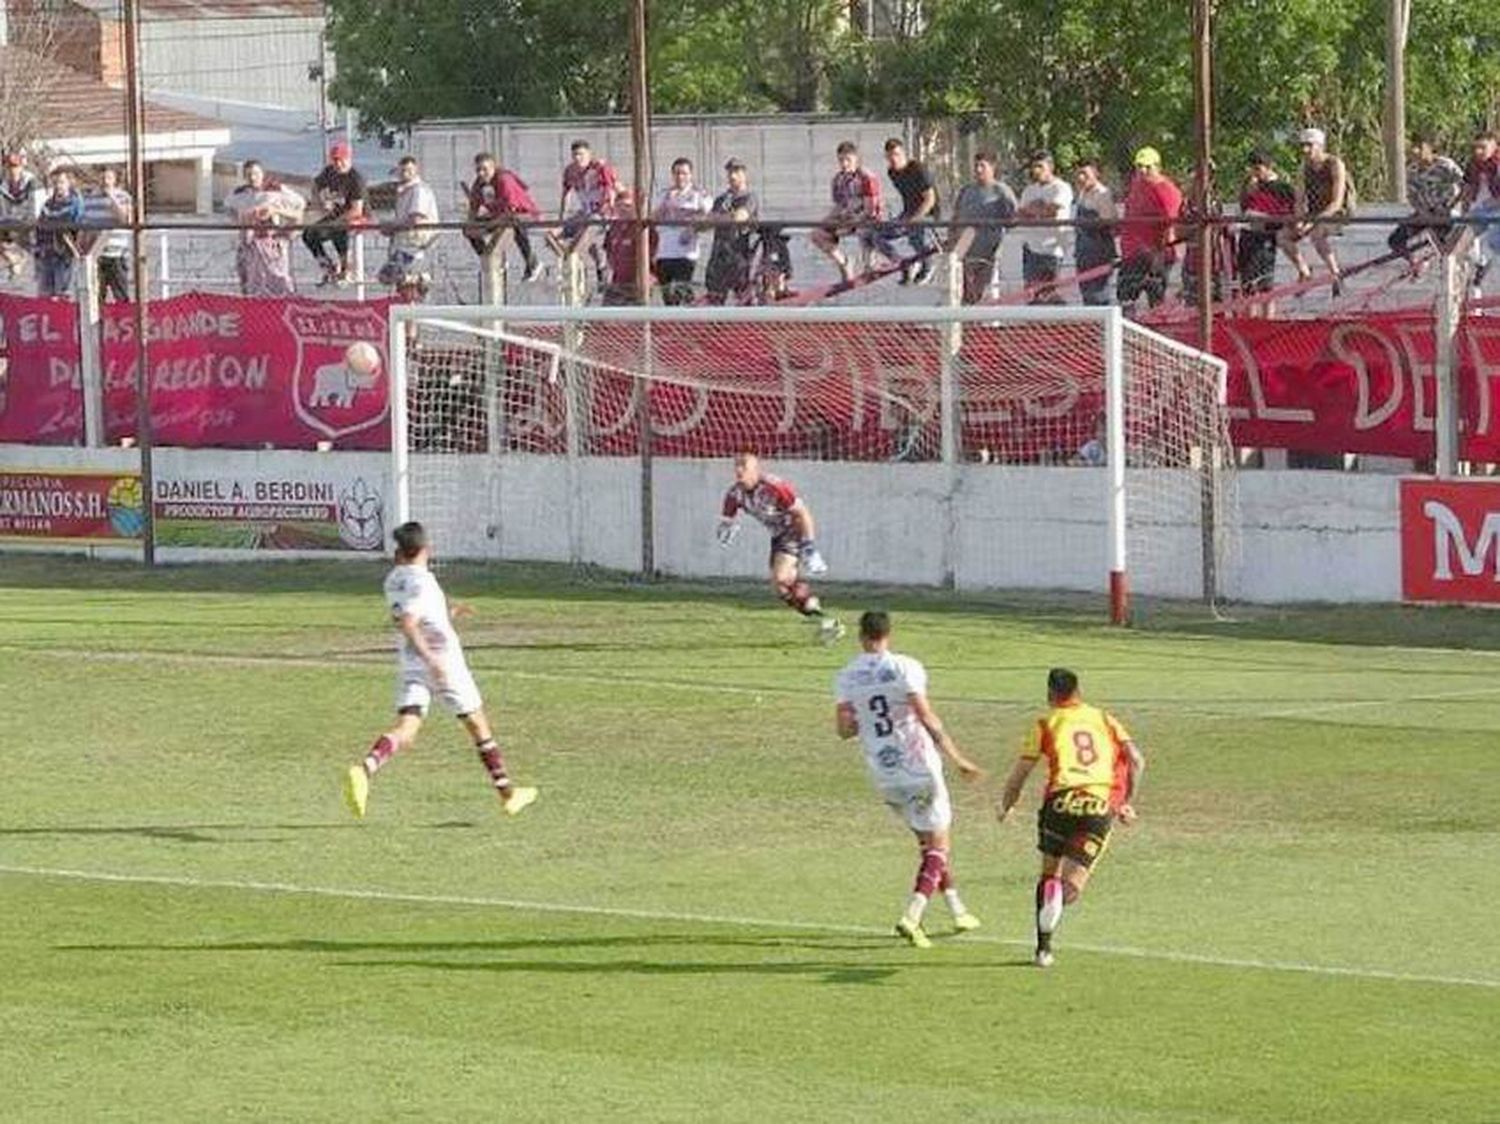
1324,198
1481,199
681,206
589,186
919,208
1266,202
264,209
21,196
1045,198
411,232
857,209
733,248
1094,239
987,201
620,242
107,209
497,199
341,191
1434,188
57,236
1148,236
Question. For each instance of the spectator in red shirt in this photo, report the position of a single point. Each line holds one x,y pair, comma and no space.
857,209
591,185
619,249
1264,199
1148,237
497,198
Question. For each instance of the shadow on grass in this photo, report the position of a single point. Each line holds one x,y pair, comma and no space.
199,832
1455,627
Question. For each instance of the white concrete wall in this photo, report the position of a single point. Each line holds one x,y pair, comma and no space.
1294,536
1317,536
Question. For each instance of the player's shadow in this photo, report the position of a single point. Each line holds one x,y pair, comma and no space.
205,832
772,942
822,971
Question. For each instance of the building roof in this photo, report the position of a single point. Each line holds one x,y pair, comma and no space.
77,105
209,9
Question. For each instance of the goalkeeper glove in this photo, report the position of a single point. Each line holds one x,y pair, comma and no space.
812,561
729,530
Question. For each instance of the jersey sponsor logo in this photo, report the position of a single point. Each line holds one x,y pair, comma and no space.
1450,540
889,756
1078,802
327,394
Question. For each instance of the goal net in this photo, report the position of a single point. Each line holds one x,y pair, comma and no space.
1059,448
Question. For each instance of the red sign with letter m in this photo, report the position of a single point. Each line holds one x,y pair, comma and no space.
1450,540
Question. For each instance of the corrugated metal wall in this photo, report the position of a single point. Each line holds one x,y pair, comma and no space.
790,158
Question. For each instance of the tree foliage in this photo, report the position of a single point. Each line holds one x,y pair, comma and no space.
1087,76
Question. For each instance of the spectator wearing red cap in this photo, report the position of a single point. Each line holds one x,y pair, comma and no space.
341,191
1324,196
21,195
1148,236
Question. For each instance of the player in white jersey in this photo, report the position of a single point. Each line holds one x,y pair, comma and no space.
429,661
774,504
882,698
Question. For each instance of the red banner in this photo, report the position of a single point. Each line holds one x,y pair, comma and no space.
1450,540
71,506
236,372
226,372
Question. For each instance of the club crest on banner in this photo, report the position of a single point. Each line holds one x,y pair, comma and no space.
330,396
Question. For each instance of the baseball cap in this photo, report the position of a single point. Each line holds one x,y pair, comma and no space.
339,148
1312,136
1147,157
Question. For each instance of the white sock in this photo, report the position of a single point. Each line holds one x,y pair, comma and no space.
955,903
916,907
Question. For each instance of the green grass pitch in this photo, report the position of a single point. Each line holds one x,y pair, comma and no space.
692,924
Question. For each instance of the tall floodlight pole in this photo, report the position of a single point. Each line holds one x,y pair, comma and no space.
640,137
135,125
1203,158
1397,21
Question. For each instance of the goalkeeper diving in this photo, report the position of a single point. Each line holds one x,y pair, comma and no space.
775,505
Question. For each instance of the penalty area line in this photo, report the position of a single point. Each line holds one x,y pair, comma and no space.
686,918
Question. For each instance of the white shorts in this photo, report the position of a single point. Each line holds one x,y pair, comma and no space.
460,695
923,806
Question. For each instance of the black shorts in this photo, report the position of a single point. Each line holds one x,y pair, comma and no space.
1257,262
1074,825
785,542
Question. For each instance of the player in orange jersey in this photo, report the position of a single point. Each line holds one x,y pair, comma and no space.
1093,769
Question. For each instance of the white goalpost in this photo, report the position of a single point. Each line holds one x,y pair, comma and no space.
1046,448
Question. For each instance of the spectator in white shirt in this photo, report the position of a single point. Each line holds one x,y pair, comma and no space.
411,233
680,208
1046,198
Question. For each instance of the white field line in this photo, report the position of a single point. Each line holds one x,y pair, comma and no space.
521,905
1248,709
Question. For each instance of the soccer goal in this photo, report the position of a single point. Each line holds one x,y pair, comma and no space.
979,448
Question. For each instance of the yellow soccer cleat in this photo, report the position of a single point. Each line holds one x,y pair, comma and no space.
519,800
966,923
911,932
357,790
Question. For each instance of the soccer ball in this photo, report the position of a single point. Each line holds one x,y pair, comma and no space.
362,358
